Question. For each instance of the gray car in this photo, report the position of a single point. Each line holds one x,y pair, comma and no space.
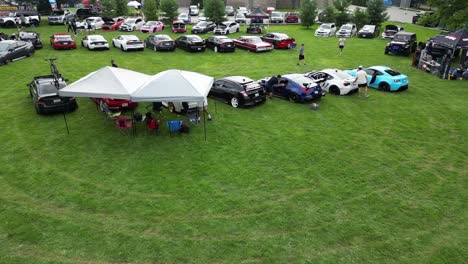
44,93
11,50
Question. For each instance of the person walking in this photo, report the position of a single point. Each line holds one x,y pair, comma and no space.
361,80
341,44
271,84
301,55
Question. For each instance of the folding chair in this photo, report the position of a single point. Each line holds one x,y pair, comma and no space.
123,124
193,116
174,125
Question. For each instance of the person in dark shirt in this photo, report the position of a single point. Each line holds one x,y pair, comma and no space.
113,64
270,85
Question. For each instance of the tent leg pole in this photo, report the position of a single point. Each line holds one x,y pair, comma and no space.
204,119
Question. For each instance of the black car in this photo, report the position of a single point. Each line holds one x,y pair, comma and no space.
203,27
238,91
220,43
160,42
368,31
31,36
402,43
44,93
83,13
190,43
11,50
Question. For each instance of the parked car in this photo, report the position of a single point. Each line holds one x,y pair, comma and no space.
326,30
402,43
240,18
390,31
252,43
203,27
243,10
128,42
334,81
62,41
190,43
31,36
291,17
112,23
237,91
178,26
193,10
60,17
384,78
31,18
368,31
254,29
45,97
83,13
296,88
160,42
184,17
270,9
430,23
276,17
347,30
220,44
95,22
279,40
114,104
132,24
11,50
229,10
227,27
152,27
95,42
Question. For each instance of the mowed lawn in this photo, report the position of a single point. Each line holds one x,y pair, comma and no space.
377,180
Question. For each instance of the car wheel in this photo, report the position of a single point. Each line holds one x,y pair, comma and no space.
234,102
121,47
384,87
335,90
386,51
9,24
293,98
215,48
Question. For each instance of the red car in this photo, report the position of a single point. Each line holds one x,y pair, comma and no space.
291,17
62,41
113,24
279,40
252,43
178,26
114,104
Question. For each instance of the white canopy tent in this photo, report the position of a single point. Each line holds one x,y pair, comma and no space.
134,4
107,82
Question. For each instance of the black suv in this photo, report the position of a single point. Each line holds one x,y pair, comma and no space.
83,13
402,43
237,91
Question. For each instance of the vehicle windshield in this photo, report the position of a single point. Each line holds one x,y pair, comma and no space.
201,24
401,37
4,46
391,27
163,37
240,15
57,13
254,40
194,38
367,28
223,38
48,88
275,14
95,39
63,38
130,21
282,36
392,72
323,26
151,23
90,20
346,27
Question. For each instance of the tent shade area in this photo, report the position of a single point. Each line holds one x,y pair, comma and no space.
174,86
257,13
107,82
454,40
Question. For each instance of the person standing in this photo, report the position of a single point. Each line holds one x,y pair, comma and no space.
361,80
341,44
270,85
301,55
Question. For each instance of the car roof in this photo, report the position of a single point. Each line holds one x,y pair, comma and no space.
238,79
406,33
129,36
380,68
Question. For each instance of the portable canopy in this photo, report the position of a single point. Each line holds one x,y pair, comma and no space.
257,13
454,40
134,4
107,82
174,86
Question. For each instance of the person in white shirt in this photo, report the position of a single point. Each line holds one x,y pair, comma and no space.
361,80
341,44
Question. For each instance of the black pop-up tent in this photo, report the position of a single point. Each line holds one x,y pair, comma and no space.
257,15
452,42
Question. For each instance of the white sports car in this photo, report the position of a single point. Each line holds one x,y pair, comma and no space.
94,42
132,24
326,30
95,22
334,81
227,27
128,42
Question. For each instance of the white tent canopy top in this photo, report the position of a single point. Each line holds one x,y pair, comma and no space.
107,82
134,4
174,86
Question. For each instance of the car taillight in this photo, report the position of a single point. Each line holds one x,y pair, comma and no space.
346,83
304,90
40,100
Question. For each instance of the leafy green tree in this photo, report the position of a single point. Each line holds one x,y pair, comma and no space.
342,16
361,17
359,2
43,7
376,11
328,15
108,7
214,9
121,8
453,14
308,12
169,8
150,10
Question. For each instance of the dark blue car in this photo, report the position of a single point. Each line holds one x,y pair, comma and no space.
296,88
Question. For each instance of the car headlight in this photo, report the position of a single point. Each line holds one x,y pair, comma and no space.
397,80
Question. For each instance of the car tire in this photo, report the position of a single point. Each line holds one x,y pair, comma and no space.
234,102
386,51
335,90
215,48
9,24
293,98
121,48
383,86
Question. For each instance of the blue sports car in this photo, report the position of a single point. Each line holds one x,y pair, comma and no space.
296,88
384,78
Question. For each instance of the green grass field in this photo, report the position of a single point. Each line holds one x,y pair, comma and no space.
381,180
